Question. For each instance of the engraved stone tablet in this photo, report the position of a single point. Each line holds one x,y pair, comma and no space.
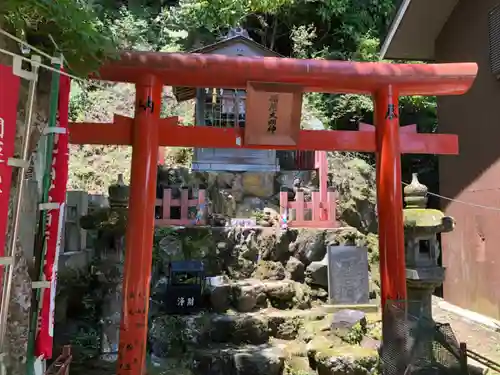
348,281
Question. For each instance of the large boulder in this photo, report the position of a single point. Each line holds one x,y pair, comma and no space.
317,273
309,245
269,270
251,294
219,289
248,295
185,243
295,269
274,245
171,335
239,329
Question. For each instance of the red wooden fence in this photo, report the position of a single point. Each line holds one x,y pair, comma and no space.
187,218
322,211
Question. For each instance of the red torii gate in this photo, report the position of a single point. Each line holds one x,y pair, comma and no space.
146,132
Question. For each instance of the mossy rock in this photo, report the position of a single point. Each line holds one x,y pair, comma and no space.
269,270
239,329
112,220
168,366
374,330
189,243
315,328
291,348
347,360
373,250
355,335
352,237
298,366
354,179
285,328
172,335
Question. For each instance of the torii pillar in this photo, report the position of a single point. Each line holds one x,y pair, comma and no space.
389,193
140,227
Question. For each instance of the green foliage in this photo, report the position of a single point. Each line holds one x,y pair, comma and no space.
159,234
73,25
87,343
356,334
88,31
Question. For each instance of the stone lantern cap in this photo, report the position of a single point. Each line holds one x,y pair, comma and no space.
418,219
112,219
118,192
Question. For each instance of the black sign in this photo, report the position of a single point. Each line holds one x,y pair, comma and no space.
273,117
185,302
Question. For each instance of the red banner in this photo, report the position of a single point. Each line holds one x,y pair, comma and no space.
9,96
55,222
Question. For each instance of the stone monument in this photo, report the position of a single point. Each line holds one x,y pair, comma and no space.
422,226
348,278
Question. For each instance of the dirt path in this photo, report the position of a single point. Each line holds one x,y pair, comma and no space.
478,338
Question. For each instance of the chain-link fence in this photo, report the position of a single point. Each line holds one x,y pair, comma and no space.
417,345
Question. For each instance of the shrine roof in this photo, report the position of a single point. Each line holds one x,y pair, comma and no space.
226,47
236,39
200,70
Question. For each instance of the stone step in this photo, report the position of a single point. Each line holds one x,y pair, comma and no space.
320,356
175,331
256,328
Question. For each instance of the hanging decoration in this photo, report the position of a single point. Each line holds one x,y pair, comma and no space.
284,219
55,221
9,94
199,214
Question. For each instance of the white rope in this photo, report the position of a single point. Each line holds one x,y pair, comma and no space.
15,38
95,84
50,68
461,202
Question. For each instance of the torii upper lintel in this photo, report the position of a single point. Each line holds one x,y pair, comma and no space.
198,70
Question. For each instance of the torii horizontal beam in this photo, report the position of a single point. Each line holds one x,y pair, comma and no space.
119,132
198,70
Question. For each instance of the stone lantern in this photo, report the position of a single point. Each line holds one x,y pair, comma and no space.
110,224
422,226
